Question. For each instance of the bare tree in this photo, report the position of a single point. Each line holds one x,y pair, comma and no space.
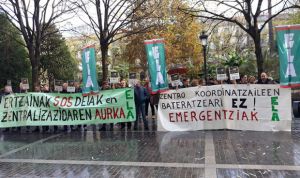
32,18
270,25
244,13
113,20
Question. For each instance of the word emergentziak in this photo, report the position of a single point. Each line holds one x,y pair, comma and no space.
212,116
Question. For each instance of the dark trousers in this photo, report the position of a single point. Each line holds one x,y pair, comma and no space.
103,127
140,109
147,102
45,128
128,125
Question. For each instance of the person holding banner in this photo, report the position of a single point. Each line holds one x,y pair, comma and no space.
45,89
5,91
251,80
195,82
147,102
186,83
37,89
244,79
264,79
106,86
140,95
2,93
67,128
22,89
124,85
78,89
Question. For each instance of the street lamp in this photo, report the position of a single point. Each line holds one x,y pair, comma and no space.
203,38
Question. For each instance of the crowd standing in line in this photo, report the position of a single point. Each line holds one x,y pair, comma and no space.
143,99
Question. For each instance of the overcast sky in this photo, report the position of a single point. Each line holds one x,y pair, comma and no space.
78,24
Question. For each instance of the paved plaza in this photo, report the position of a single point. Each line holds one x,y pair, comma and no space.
218,153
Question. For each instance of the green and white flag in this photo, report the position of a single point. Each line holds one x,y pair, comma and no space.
157,64
288,41
89,74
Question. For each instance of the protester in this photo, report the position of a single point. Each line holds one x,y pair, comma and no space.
264,79
233,82
22,89
5,91
1,94
147,102
140,95
37,89
78,89
251,80
195,82
212,81
67,128
106,86
124,85
45,89
201,82
244,79
185,83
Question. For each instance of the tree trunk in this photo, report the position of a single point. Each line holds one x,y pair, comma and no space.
258,54
270,25
104,55
35,76
35,62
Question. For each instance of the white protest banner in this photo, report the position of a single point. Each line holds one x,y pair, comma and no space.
238,107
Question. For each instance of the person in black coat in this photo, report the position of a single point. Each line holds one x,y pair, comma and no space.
264,79
140,96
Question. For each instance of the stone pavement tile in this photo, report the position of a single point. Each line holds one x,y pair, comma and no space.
30,170
296,124
11,141
245,173
262,148
172,147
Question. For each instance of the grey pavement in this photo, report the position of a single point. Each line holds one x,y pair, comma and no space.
209,154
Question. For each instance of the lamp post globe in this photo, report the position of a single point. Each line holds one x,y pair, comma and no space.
203,38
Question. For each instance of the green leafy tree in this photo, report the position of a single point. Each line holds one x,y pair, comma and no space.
13,61
295,18
32,19
180,34
56,59
233,59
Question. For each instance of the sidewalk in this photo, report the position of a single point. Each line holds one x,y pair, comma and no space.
142,154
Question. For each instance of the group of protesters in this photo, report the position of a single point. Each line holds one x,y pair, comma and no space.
245,79
142,98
